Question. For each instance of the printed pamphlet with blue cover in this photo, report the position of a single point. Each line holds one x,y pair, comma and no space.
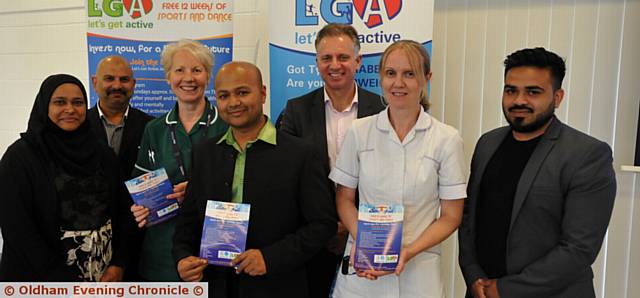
379,237
224,232
151,190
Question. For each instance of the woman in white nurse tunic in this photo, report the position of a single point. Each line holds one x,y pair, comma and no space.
402,155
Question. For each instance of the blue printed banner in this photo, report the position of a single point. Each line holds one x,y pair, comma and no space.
139,29
379,237
293,30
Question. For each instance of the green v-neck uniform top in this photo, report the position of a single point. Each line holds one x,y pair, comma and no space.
156,151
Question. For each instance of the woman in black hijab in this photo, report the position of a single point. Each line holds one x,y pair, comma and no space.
64,212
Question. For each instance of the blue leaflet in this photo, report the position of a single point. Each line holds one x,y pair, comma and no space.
151,190
379,237
224,232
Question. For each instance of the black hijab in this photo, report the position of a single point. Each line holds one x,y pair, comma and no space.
74,152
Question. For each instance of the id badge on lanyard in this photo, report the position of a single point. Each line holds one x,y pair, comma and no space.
176,148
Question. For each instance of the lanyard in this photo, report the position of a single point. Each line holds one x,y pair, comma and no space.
177,155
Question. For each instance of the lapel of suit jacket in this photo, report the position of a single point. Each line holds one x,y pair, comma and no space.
364,104
483,157
530,171
319,124
130,124
225,165
96,123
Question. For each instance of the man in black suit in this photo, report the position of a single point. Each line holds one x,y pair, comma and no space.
323,117
120,126
540,193
113,120
292,215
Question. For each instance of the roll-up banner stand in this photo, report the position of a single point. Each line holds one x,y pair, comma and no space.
139,29
294,24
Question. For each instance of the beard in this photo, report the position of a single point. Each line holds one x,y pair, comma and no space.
518,124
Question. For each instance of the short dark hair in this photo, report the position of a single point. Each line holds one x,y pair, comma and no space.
335,29
538,57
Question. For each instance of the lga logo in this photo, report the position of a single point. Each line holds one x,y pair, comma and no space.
369,11
138,8
116,8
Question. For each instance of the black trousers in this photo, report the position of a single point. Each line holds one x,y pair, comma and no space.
321,271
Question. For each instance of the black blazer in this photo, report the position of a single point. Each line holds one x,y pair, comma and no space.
561,210
292,215
304,117
131,136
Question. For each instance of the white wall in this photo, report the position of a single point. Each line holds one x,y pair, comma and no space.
599,39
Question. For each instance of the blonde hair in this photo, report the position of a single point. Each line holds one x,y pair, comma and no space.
195,48
419,61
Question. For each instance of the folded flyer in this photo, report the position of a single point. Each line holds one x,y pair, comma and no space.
224,232
379,237
151,190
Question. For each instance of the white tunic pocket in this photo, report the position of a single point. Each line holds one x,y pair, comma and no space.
426,179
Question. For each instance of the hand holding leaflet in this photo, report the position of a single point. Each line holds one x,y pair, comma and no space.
179,191
191,268
250,262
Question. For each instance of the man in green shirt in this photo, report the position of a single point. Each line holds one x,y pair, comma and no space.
292,214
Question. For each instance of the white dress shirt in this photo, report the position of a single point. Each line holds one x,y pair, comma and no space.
337,124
